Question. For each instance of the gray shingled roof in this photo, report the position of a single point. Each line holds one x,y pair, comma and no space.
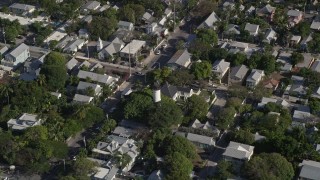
310,170
213,18
169,90
181,57
252,28
72,63
106,79
255,75
239,71
25,7
82,98
220,66
238,150
85,85
18,50
294,13
316,66
91,5
200,139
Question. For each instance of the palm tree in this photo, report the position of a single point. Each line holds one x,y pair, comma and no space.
6,90
123,160
41,79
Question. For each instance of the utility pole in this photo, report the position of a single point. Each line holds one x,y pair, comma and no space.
4,36
174,15
129,59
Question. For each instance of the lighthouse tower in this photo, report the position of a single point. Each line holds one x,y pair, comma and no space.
156,93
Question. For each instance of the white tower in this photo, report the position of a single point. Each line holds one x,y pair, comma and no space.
99,45
156,95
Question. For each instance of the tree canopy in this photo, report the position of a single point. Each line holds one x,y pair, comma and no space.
54,70
269,166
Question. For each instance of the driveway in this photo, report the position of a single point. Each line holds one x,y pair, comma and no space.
218,104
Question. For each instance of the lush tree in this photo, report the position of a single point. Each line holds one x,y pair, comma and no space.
303,29
83,166
96,30
181,77
208,36
165,114
234,102
202,70
225,117
296,58
177,166
242,136
54,70
224,170
269,166
181,145
36,133
237,59
196,107
314,104
138,105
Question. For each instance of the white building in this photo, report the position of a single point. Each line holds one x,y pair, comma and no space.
24,121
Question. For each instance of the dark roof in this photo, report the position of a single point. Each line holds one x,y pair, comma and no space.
169,90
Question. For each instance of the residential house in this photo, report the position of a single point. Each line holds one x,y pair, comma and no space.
238,74
167,12
132,49
232,29
206,126
302,114
105,173
84,86
284,59
176,93
3,50
295,40
99,78
147,17
271,84
31,70
267,12
250,10
307,61
126,25
220,68
210,21
118,145
156,175
111,49
24,121
22,9
82,99
200,140
72,63
181,59
310,170
56,94
295,16
316,93
74,45
266,100
238,153
18,55
315,25
254,78
239,45
253,29
83,33
271,36
258,137
295,91
90,6
87,19
305,41
124,132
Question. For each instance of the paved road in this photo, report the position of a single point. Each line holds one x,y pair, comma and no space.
218,104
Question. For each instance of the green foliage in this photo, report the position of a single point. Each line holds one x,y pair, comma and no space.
296,58
96,30
237,59
202,70
224,170
314,104
236,103
54,70
177,167
225,117
242,136
82,167
180,77
196,107
131,12
160,75
138,105
207,36
269,166
165,114
303,29
180,145
264,61
11,28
